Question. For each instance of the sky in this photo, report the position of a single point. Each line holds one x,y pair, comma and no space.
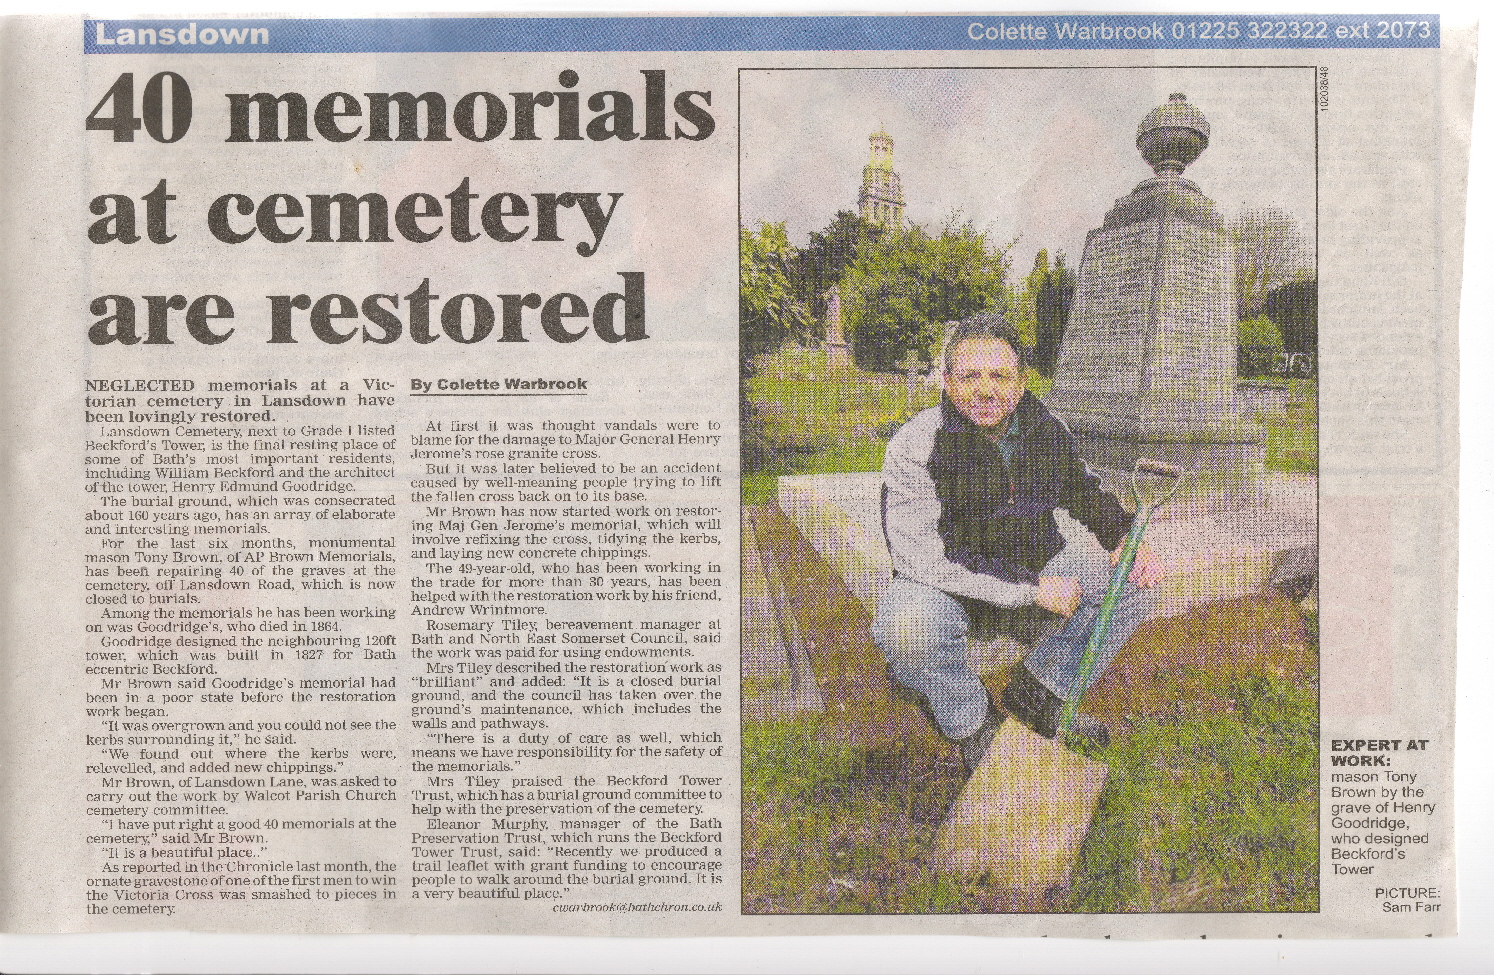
1031,156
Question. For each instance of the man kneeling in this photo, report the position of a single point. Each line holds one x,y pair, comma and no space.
968,495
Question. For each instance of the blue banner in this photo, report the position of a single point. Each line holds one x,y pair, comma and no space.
975,32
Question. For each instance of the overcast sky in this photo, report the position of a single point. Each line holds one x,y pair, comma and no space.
1032,155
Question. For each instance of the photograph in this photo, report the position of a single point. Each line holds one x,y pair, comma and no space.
1029,454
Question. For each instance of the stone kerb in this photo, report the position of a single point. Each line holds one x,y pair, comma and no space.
763,653
778,677
840,516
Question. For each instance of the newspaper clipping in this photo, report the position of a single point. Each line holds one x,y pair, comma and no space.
731,475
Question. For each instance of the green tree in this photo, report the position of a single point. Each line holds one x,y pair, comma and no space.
1041,309
904,287
770,312
820,266
1052,291
1294,307
1024,303
1259,344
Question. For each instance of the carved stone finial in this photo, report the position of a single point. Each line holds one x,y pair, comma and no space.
1172,136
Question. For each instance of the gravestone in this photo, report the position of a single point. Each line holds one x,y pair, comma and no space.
838,350
1147,367
1023,815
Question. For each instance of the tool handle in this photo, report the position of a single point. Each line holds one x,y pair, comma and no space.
1158,496
1147,466
1101,630
1127,558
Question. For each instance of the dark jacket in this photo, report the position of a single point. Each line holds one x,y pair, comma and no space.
959,517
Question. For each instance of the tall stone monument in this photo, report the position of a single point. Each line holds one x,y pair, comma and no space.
1147,367
837,348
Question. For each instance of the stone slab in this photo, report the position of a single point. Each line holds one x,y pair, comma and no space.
1257,399
1023,815
840,515
1210,553
763,654
778,674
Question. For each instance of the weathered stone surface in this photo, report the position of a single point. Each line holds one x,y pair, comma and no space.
841,516
1148,362
1023,815
1295,572
763,653
778,676
1147,367
1257,398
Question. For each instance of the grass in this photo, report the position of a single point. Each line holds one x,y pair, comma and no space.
1292,434
1212,812
791,760
759,488
815,419
829,835
801,395
1218,813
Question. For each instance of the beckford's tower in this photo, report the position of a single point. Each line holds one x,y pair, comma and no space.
1148,361
881,199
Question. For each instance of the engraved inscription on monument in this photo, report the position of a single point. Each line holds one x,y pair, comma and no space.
1148,362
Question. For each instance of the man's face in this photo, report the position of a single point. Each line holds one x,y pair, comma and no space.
984,381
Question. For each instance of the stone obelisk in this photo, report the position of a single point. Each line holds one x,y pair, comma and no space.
1147,367
838,350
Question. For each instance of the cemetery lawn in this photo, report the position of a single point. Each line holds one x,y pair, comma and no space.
1292,435
811,419
1211,803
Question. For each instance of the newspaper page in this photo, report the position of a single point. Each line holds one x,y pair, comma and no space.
713,475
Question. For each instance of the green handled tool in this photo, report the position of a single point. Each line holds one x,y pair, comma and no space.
1146,503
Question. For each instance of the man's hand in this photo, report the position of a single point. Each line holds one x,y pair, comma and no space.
1146,571
1058,594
